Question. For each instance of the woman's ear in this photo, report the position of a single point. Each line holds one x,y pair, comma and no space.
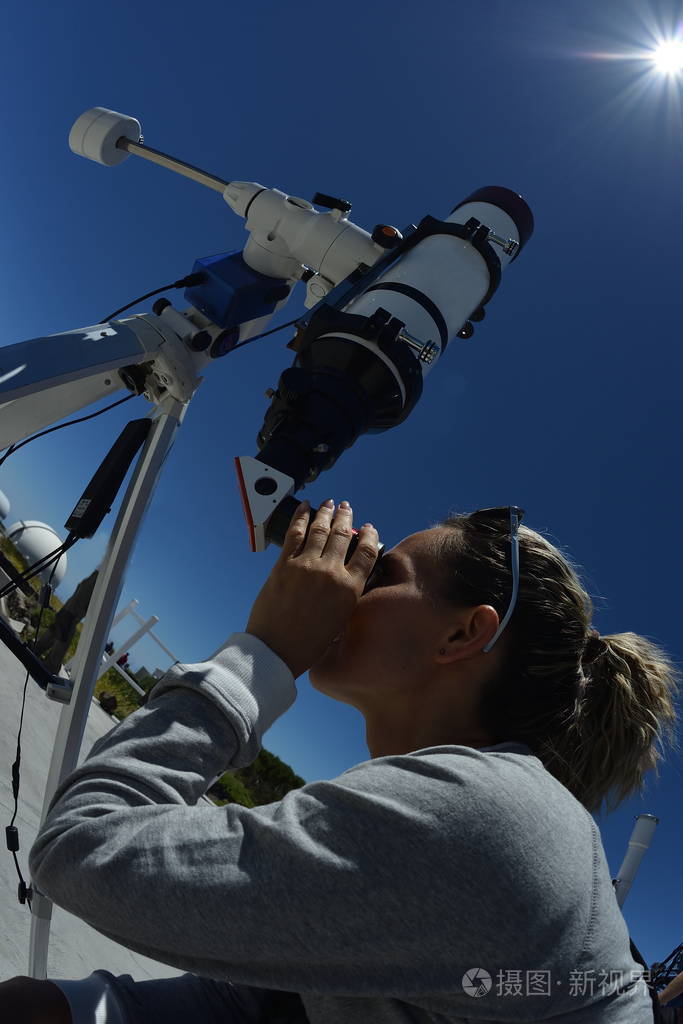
476,627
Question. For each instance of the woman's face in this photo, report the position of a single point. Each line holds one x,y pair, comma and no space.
389,641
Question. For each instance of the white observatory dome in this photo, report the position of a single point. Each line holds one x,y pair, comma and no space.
34,541
4,506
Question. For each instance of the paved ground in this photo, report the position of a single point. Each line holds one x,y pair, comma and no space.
75,948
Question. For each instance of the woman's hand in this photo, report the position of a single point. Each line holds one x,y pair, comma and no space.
310,594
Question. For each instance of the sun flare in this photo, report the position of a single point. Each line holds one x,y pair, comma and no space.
668,57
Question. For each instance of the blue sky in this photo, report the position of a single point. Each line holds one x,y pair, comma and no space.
565,401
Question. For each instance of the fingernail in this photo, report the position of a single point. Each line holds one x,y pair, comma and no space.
304,506
328,504
344,504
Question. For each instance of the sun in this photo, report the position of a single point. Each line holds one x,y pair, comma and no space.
668,57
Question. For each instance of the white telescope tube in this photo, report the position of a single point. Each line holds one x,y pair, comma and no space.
448,270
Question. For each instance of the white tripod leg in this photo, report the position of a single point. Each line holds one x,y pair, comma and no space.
638,845
96,629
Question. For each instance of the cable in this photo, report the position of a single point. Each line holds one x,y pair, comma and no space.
187,282
15,447
25,892
265,334
41,565
184,282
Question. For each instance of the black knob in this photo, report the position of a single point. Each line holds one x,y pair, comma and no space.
159,306
24,893
200,341
330,203
466,331
225,342
386,236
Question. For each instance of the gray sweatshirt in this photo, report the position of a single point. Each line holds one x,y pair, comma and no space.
449,884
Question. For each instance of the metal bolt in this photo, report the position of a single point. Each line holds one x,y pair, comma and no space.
428,353
425,351
508,245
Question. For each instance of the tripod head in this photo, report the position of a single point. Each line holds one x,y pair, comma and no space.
384,306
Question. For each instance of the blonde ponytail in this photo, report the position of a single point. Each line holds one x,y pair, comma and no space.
596,710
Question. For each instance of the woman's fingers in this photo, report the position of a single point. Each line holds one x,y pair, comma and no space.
317,524
319,530
340,534
363,559
296,532
327,534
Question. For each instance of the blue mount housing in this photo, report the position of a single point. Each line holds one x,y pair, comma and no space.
232,293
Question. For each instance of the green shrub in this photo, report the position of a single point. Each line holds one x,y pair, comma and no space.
74,643
145,680
268,778
229,790
46,619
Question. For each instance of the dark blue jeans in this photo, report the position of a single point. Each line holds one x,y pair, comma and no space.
191,998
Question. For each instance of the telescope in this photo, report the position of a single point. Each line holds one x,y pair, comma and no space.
383,307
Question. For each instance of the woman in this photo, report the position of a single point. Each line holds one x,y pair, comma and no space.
455,875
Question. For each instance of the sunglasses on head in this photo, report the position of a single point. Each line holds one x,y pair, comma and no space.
510,515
